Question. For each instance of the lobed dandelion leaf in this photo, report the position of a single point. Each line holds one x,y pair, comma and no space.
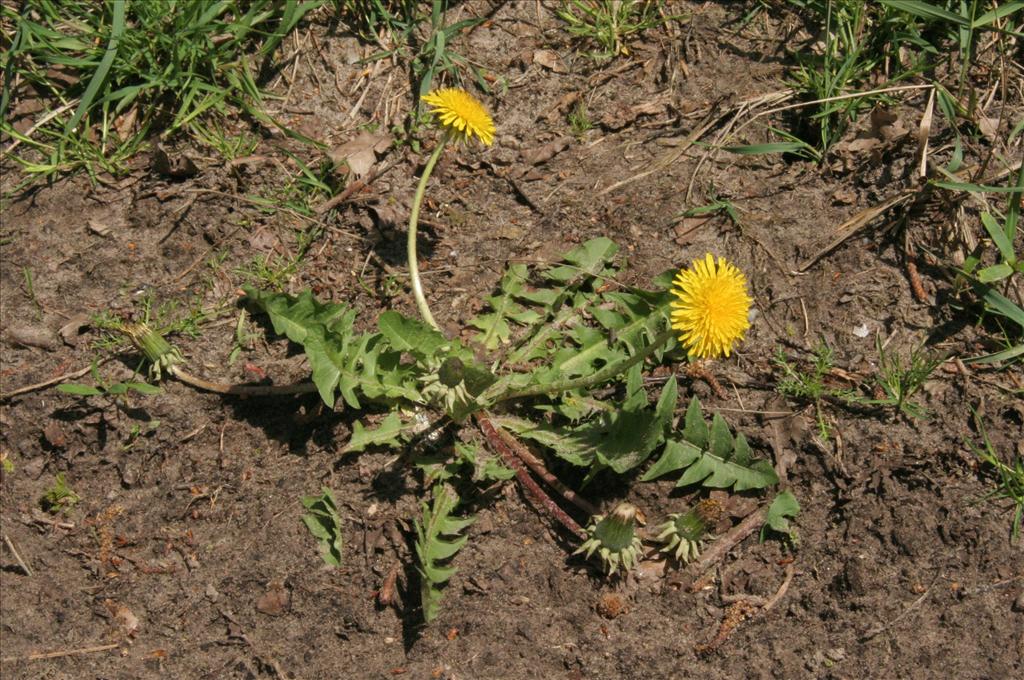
712,457
437,541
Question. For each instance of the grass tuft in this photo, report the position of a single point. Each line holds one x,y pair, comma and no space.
111,74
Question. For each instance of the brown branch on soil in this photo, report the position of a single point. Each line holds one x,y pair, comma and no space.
764,603
52,381
535,464
536,495
35,656
915,282
353,188
735,614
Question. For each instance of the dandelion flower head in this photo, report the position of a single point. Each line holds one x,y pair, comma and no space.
461,114
711,307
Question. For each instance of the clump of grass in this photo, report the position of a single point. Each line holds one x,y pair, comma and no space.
900,379
579,119
1002,230
377,20
1009,477
897,381
609,23
868,46
856,42
422,39
112,73
808,385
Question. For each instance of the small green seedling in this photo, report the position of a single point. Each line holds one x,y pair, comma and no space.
809,385
30,291
137,431
579,119
59,497
243,337
435,55
103,388
324,523
717,205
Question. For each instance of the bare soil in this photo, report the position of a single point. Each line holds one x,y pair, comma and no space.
186,557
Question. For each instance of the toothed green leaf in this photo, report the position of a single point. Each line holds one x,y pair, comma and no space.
436,542
294,316
409,335
391,432
695,430
720,441
590,258
325,524
620,438
783,508
341,361
713,459
676,456
494,326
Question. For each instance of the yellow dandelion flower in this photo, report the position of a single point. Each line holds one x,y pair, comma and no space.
461,114
711,311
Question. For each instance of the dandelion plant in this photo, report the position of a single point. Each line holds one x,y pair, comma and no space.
553,336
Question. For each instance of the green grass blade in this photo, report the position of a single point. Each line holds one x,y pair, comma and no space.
1004,355
926,10
996,272
1013,211
999,237
1000,303
998,13
980,188
99,77
774,147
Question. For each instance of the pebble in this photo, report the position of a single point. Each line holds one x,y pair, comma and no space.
1018,604
33,336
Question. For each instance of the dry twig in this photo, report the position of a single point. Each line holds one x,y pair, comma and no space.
36,656
17,557
52,381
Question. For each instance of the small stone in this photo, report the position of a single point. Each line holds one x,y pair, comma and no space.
1018,604
72,330
54,435
275,601
33,336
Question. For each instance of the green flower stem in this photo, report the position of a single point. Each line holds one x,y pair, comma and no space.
414,218
606,373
